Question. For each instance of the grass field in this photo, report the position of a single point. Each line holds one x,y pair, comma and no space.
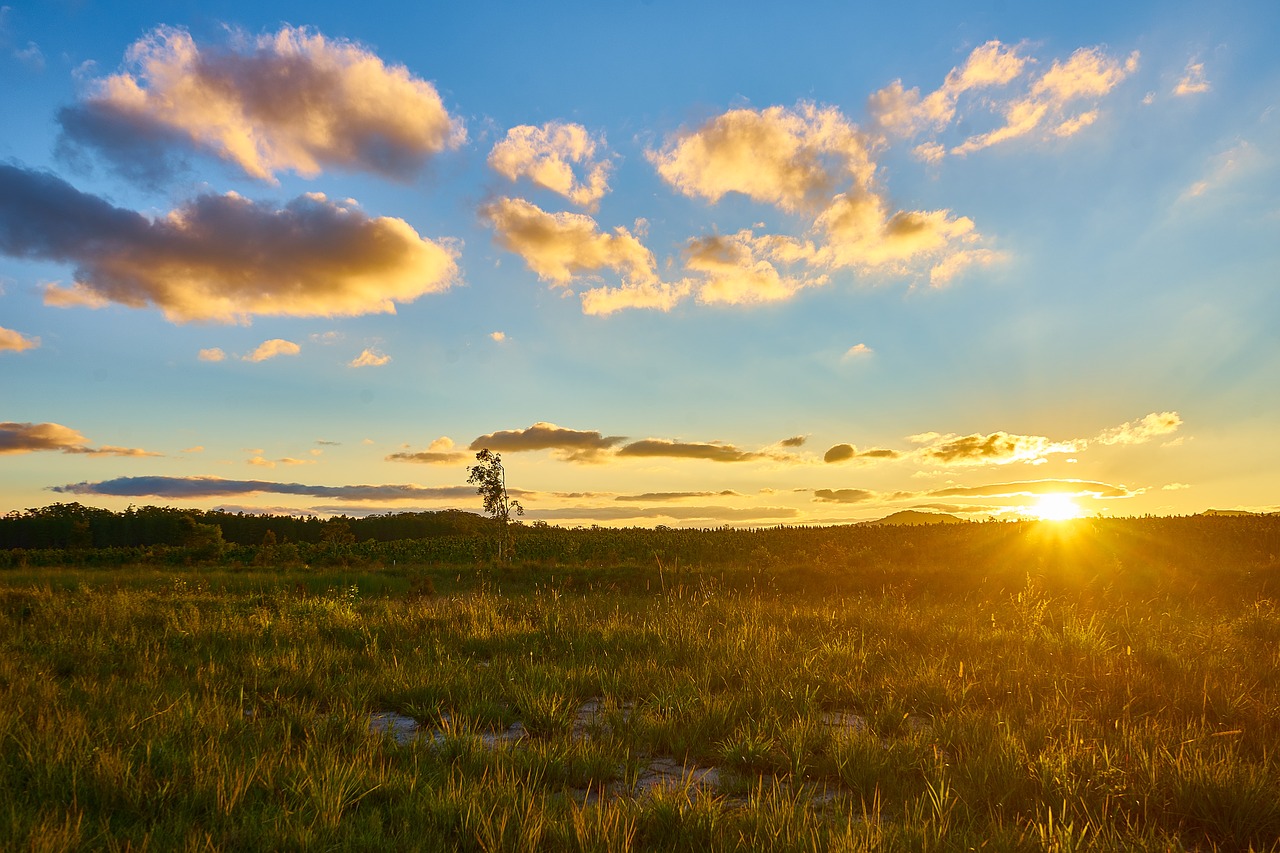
243,710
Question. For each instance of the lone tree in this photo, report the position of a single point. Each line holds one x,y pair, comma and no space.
490,481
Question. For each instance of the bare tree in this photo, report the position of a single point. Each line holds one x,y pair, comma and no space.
490,481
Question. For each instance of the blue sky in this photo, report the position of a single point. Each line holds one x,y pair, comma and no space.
737,264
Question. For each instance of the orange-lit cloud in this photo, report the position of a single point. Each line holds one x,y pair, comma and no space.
292,101
997,448
369,358
1029,488
847,452
794,159
1142,430
222,258
211,354
736,274
846,496
903,112
1088,75
29,438
678,496
548,155
712,451
12,341
1193,81
439,452
271,349
573,444
561,247
707,514
186,488
941,274
857,351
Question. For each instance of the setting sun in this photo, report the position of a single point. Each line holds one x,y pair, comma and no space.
1056,507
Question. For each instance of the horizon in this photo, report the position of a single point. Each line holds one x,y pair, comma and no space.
678,267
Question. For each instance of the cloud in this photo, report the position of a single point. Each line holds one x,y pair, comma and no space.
734,273
211,354
369,358
716,514
221,258
840,453
712,451
1238,160
807,161
561,247
857,351
498,336
846,452
292,101
1089,74
1029,488
1193,81
271,349
1174,487
199,448
793,159
845,496
29,438
11,341
547,156
572,444
794,441
186,488
1142,430
439,452
677,496
903,112
952,265
997,448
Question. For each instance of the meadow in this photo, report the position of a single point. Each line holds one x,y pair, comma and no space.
1079,686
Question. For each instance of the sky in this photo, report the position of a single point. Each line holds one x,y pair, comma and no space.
679,264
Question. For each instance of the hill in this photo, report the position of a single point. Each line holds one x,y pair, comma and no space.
914,516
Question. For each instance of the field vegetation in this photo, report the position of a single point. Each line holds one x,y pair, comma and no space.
1100,684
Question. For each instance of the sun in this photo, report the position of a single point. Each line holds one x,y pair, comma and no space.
1055,507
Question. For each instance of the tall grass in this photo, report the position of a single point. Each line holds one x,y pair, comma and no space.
180,711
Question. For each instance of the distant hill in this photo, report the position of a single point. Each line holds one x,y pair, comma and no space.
915,516
1230,513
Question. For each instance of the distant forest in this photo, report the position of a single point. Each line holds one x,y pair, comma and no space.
1223,556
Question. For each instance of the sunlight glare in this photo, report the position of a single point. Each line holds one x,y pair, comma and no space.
1055,507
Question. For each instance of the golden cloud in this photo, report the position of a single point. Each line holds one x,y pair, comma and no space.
547,156
793,159
187,488
28,438
1141,430
560,247
903,112
439,452
369,358
713,451
211,354
292,101
998,448
271,349
1088,74
12,341
1029,488
221,258
575,445
1193,81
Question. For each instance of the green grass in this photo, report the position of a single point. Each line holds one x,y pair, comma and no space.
230,710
